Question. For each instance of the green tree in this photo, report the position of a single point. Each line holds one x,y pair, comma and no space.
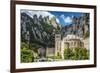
24,45
68,53
26,55
76,54
58,55
84,54
80,54
86,35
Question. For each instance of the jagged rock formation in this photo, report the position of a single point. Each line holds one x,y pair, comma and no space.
38,31
80,26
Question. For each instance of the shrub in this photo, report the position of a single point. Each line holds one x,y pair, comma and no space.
26,55
86,35
68,53
24,45
58,56
81,54
76,54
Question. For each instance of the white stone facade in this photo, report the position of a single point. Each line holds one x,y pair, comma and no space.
70,41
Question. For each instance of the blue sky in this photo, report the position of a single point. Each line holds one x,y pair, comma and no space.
65,18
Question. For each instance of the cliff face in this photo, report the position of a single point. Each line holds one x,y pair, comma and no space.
38,30
80,26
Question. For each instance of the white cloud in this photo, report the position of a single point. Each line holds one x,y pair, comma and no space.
38,13
67,19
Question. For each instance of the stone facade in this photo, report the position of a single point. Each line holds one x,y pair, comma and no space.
70,41
57,43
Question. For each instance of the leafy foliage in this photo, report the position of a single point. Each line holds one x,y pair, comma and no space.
26,55
86,35
67,53
58,56
76,54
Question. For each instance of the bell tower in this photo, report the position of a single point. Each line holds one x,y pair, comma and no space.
57,43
